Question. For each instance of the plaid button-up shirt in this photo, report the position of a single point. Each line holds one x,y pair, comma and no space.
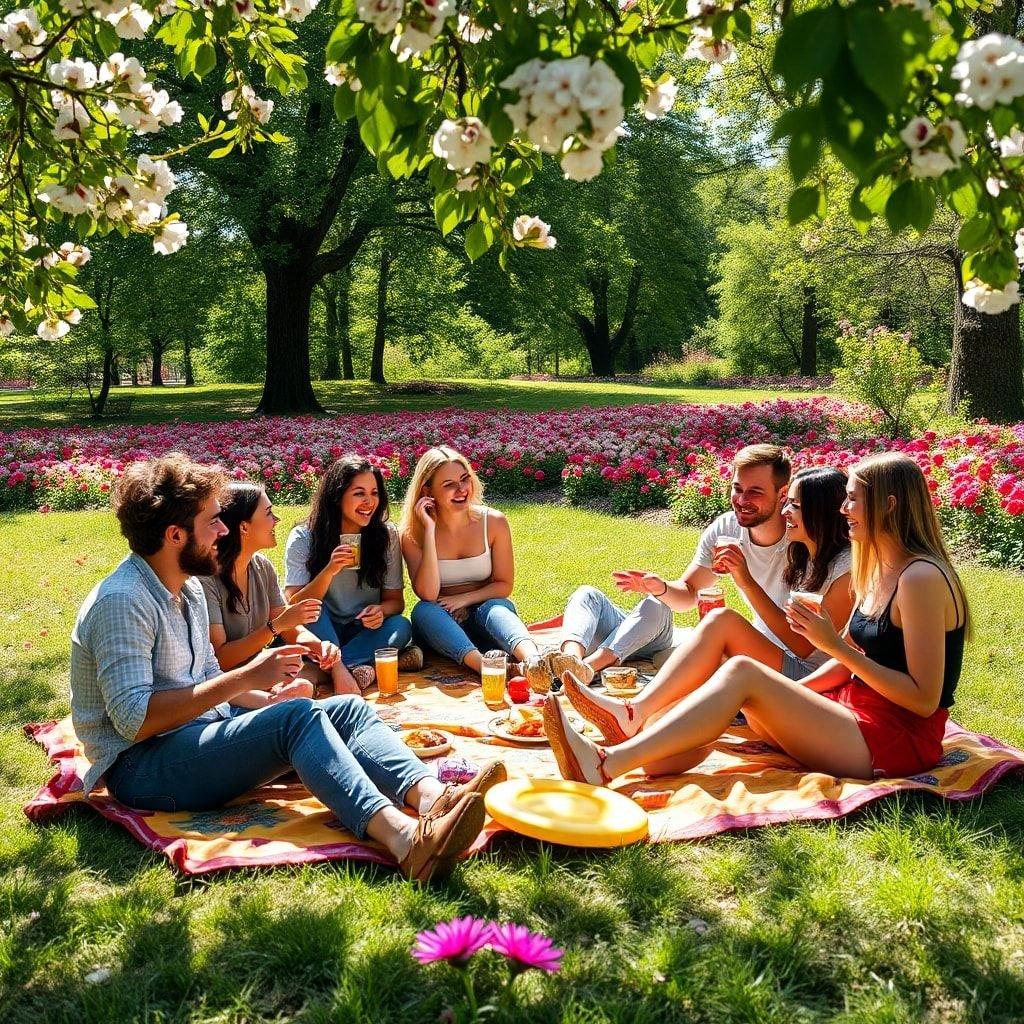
131,638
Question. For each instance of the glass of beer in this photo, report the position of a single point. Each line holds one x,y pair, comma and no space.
721,545
492,678
708,599
386,663
355,542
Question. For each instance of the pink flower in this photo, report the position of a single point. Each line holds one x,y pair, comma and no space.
528,949
456,941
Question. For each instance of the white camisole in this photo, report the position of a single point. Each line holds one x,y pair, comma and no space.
454,572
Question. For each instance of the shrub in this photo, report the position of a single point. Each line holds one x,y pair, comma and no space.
697,370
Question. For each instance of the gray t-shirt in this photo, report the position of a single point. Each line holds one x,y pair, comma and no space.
264,593
345,598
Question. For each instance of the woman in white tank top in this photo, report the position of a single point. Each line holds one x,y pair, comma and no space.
461,565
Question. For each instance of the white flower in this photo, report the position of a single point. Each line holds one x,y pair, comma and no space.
704,46
171,238
953,132
297,10
986,299
467,183
108,8
930,163
21,34
660,99
146,212
72,7
700,8
52,328
411,40
582,164
158,181
383,15
75,253
126,72
77,73
72,200
1019,239
917,132
599,89
132,23
990,70
532,231
72,120
166,8
259,109
1012,145
993,186
464,143
246,9
73,317
6,326
470,32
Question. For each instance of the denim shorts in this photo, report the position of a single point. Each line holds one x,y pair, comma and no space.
796,668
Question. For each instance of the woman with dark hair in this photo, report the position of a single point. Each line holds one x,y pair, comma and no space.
818,566
360,584
247,609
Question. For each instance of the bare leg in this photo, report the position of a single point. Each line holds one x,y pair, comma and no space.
394,830
574,647
474,661
601,658
422,796
342,679
678,764
525,649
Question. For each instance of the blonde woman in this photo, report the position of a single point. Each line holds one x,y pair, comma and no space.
459,554
878,707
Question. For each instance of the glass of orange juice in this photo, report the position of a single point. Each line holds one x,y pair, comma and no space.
355,542
386,664
493,673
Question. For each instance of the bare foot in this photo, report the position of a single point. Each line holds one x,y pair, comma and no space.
615,717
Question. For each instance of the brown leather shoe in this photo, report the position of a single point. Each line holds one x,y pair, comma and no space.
489,775
440,839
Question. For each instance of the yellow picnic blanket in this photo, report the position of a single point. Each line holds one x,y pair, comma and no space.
741,784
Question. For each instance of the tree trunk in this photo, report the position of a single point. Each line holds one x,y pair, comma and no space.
809,334
345,323
115,373
190,378
99,403
135,374
157,376
986,372
287,389
332,367
380,331
603,346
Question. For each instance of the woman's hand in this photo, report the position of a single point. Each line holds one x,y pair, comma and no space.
731,560
324,653
426,510
342,557
817,628
299,614
372,616
633,581
288,691
453,603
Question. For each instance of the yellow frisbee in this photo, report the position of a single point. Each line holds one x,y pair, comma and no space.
569,813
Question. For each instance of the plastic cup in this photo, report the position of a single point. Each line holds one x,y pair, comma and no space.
493,673
354,541
386,663
810,600
708,599
721,545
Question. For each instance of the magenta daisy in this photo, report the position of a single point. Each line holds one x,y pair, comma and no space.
455,941
529,949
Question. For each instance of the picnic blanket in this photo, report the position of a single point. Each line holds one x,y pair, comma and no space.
741,784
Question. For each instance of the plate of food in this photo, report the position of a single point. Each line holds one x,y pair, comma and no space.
526,725
426,743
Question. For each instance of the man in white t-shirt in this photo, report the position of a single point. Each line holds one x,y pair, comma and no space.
752,550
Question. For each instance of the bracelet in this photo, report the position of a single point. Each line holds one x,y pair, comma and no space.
273,632
665,591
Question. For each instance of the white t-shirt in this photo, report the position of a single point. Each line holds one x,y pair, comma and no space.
767,566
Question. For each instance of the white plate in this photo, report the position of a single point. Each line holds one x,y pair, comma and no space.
498,726
439,748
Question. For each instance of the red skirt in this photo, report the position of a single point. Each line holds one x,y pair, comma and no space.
900,742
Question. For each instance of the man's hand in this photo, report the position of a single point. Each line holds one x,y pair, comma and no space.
730,559
324,653
299,614
288,691
274,665
635,581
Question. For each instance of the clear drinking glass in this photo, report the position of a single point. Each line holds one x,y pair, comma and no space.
493,673
386,664
355,542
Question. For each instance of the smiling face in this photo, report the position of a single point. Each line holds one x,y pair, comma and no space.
258,531
755,498
793,515
198,555
359,502
451,487
855,508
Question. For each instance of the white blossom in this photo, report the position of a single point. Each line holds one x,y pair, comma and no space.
72,120
157,179
297,10
166,8
582,164
467,183
73,200
917,132
953,132
1019,250
470,32
76,74
125,72
704,46
21,35
701,8
383,15
532,231
6,326
75,253
993,186
131,23
260,109
147,212
1012,145
990,70
246,9
171,238
930,163
986,299
661,98
463,143
52,328
72,7
338,74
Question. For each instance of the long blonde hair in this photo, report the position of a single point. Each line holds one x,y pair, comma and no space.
430,462
909,520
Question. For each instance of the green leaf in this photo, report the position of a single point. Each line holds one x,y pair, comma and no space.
860,214
519,172
344,103
975,233
223,151
206,59
108,38
808,46
878,55
965,199
803,203
447,212
805,128
479,239
913,203
222,20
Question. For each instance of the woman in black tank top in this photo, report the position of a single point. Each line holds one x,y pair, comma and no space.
877,708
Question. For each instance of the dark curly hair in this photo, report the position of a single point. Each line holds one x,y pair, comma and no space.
324,521
169,491
822,491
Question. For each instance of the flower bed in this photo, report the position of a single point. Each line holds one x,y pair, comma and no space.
635,457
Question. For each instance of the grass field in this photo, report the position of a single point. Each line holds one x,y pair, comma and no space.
910,911
229,401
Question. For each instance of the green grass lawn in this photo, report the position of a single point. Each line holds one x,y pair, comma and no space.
910,911
228,401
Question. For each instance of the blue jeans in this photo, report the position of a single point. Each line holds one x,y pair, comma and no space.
343,753
493,623
591,619
358,643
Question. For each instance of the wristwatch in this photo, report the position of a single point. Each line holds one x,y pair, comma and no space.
273,632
